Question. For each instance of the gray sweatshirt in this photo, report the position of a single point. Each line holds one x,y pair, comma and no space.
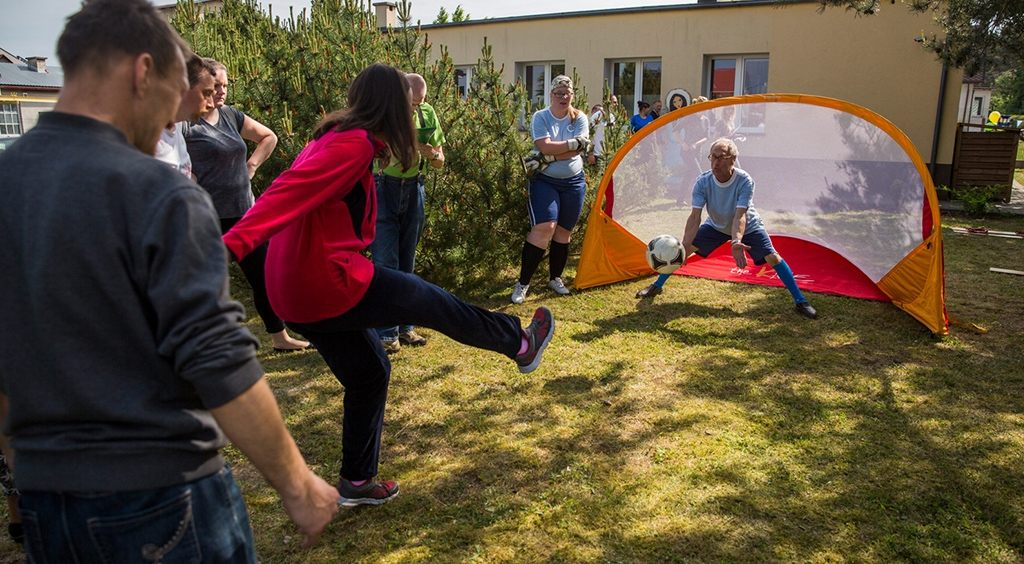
117,333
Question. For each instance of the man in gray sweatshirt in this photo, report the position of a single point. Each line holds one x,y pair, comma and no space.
123,365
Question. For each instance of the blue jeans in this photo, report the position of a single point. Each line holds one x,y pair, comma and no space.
202,521
399,226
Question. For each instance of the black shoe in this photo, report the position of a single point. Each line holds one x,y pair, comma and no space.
17,532
805,309
648,292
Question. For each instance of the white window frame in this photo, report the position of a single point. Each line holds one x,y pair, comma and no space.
10,119
741,61
542,101
638,82
467,71
977,108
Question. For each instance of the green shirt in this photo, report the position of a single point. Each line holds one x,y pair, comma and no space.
424,117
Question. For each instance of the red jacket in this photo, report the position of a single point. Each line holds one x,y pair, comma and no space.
318,215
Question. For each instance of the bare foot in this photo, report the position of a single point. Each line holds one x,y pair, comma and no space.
283,342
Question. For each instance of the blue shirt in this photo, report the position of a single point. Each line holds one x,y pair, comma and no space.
545,124
637,122
723,199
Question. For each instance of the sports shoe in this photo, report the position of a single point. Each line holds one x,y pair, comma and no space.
370,493
805,309
648,292
538,334
519,293
412,338
558,286
391,346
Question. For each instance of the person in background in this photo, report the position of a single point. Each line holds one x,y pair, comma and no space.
642,117
216,144
131,369
560,134
195,103
400,201
656,109
320,214
599,119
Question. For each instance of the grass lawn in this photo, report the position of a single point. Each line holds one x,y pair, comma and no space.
712,424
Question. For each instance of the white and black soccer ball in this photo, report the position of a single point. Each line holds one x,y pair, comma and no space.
665,254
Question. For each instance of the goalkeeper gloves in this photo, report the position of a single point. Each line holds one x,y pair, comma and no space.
535,162
581,145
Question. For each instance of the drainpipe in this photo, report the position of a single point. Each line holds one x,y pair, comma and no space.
938,120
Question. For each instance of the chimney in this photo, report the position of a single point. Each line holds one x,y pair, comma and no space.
37,63
387,14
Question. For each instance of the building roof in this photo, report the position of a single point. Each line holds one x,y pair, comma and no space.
20,75
700,4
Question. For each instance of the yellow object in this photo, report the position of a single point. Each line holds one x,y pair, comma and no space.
994,117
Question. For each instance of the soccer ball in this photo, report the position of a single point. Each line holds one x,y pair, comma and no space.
665,254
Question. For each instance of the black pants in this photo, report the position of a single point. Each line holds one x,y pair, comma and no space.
352,350
253,268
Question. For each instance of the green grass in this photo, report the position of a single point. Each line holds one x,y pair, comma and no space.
712,424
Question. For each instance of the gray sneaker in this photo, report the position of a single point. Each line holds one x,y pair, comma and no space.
558,286
370,493
538,334
519,293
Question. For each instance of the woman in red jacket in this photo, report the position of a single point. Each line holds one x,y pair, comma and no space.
318,215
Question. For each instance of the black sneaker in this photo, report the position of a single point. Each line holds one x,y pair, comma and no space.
370,493
648,292
538,334
805,309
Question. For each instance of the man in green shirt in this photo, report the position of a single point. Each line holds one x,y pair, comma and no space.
400,196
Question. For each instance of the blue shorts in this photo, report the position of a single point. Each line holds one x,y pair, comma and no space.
557,199
708,239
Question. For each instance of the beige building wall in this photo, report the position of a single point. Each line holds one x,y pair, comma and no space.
870,61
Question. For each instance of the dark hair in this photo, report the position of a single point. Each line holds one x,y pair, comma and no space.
681,99
103,28
640,104
378,101
196,66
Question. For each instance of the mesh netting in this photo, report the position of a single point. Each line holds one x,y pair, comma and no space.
821,174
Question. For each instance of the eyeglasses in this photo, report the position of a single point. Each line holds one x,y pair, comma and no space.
720,157
562,94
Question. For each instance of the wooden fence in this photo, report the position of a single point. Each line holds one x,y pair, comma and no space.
986,156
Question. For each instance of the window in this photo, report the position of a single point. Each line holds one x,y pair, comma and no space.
723,79
463,79
629,86
537,78
10,119
976,106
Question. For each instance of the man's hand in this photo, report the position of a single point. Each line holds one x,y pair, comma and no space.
312,507
738,253
535,162
426,150
581,145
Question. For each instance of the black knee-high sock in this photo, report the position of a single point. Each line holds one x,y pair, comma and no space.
557,258
532,254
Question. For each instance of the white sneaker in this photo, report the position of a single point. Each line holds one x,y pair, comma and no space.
519,293
558,286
